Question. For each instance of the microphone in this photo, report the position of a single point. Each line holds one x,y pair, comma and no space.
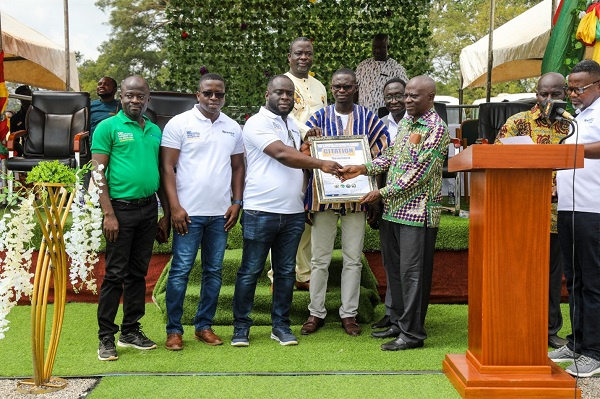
562,113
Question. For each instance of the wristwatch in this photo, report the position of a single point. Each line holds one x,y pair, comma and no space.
238,202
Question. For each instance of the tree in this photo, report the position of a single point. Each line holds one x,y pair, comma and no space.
136,45
459,23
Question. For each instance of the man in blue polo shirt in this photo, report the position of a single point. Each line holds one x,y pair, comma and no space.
106,105
125,150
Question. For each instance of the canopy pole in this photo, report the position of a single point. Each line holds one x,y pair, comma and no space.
488,84
67,50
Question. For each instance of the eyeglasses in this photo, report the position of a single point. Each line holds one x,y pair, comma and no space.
340,87
210,94
579,90
397,97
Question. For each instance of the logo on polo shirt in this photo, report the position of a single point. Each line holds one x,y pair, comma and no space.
124,136
192,135
232,134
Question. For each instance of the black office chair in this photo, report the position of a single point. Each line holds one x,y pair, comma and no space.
493,115
468,132
164,105
56,128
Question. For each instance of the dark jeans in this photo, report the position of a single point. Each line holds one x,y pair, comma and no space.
579,234
208,231
127,262
264,232
408,260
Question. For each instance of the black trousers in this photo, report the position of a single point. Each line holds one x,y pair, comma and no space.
408,260
555,320
127,261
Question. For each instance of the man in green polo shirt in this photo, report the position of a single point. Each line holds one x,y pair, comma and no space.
125,149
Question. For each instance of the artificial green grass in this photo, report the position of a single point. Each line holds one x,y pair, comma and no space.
328,350
369,297
280,387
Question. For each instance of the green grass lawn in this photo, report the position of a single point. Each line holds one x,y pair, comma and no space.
328,350
328,364
280,387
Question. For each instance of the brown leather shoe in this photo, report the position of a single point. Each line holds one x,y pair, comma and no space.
312,325
174,342
351,327
208,337
302,285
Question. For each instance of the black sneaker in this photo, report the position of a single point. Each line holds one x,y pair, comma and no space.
136,339
107,350
241,336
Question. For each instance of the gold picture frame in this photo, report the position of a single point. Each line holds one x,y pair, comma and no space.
345,150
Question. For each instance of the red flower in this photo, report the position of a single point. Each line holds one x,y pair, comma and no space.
184,34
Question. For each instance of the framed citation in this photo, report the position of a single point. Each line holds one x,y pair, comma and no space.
345,150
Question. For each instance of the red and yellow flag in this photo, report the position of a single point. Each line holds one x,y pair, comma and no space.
3,102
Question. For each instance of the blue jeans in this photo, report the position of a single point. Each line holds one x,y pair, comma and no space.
264,231
582,244
208,231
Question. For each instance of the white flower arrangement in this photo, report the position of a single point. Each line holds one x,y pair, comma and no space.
82,241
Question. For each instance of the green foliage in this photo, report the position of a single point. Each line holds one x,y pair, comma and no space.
52,172
247,41
135,47
575,51
458,23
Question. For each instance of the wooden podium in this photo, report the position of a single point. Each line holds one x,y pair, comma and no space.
509,239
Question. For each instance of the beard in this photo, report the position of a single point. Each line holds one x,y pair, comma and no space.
106,96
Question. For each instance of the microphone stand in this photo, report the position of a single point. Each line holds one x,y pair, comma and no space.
573,124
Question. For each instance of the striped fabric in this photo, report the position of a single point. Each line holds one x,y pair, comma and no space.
361,122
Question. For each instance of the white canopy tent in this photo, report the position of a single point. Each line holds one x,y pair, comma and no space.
518,49
31,58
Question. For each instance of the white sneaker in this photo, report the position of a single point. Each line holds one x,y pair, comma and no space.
584,367
562,354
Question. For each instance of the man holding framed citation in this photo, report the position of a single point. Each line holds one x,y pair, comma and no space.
411,211
348,132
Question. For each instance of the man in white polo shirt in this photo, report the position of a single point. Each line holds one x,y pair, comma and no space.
309,96
202,168
273,218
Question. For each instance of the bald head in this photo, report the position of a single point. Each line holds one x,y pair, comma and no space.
135,94
550,87
419,95
424,82
135,80
553,79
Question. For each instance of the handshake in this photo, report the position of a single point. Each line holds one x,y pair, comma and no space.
343,172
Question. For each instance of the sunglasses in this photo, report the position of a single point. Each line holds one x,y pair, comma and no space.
210,94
